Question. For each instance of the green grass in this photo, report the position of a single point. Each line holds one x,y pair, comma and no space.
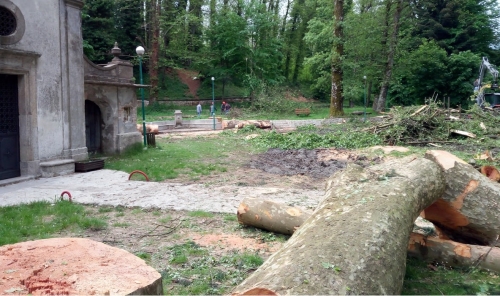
42,219
420,280
200,214
170,159
193,271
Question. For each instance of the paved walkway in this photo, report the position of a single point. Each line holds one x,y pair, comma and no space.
108,187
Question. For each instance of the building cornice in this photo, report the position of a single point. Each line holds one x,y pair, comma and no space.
74,3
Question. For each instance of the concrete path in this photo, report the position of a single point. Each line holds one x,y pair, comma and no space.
108,187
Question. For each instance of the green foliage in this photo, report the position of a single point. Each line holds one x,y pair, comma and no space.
41,219
275,100
304,140
457,25
98,28
429,71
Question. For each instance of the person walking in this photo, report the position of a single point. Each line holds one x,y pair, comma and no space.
212,109
223,108
198,109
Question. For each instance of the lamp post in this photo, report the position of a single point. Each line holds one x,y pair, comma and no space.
364,113
140,52
213,101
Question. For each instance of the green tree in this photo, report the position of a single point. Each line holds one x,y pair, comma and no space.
98,28
458,25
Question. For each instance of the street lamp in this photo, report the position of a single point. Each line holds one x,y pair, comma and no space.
213,100
140,52
364,113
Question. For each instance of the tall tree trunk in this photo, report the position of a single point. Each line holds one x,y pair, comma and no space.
356,240
285,17
337,99
155,50
380,106
385,37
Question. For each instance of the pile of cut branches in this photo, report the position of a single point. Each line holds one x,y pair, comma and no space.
426,124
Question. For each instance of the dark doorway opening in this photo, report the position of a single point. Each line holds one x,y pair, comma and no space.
9,127
93,122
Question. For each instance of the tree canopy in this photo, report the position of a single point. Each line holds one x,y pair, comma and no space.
407,50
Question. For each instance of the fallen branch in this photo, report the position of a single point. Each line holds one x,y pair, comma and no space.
172,229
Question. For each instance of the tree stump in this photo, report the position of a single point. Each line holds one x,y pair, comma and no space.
468,210
74,266
356,240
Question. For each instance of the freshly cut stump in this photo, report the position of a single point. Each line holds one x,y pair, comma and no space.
468,210
356,240
271,216
74,266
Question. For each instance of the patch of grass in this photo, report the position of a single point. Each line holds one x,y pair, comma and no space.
230,218
200,214
200,273
165,220
137,211
170,159
105,209
144,256
120,214
121,224
41,219
420,280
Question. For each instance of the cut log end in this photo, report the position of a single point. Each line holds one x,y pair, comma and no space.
491,172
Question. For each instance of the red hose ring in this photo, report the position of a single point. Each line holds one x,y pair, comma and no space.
140,172
69,195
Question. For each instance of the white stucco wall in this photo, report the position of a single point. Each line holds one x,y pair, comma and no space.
52,31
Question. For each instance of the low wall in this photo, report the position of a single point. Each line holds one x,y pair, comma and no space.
203,124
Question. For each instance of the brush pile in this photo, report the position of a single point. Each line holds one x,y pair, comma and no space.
430,124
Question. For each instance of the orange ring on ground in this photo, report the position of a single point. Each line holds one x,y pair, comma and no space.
139,172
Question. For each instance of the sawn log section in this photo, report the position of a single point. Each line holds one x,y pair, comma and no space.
356,240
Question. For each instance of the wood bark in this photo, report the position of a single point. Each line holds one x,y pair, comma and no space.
380,103
355,242
271,216
155,51
468,210
337,91
453,254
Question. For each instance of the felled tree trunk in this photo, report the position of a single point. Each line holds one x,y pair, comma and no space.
468,210
453,254
271,216
355,242
150,128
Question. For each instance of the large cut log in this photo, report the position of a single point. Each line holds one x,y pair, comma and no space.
271,216
355,242
453,254
468,212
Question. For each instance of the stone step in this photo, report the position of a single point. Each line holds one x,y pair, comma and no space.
57,167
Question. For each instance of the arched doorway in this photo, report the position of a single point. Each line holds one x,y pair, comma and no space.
9,127
93,122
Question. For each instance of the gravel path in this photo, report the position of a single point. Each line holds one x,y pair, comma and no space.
108,187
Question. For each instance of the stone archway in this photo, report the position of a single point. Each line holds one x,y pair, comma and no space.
93,126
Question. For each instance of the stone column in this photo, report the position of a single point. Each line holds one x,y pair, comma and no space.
73,81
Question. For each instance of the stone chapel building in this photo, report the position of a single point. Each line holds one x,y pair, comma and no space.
55,105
